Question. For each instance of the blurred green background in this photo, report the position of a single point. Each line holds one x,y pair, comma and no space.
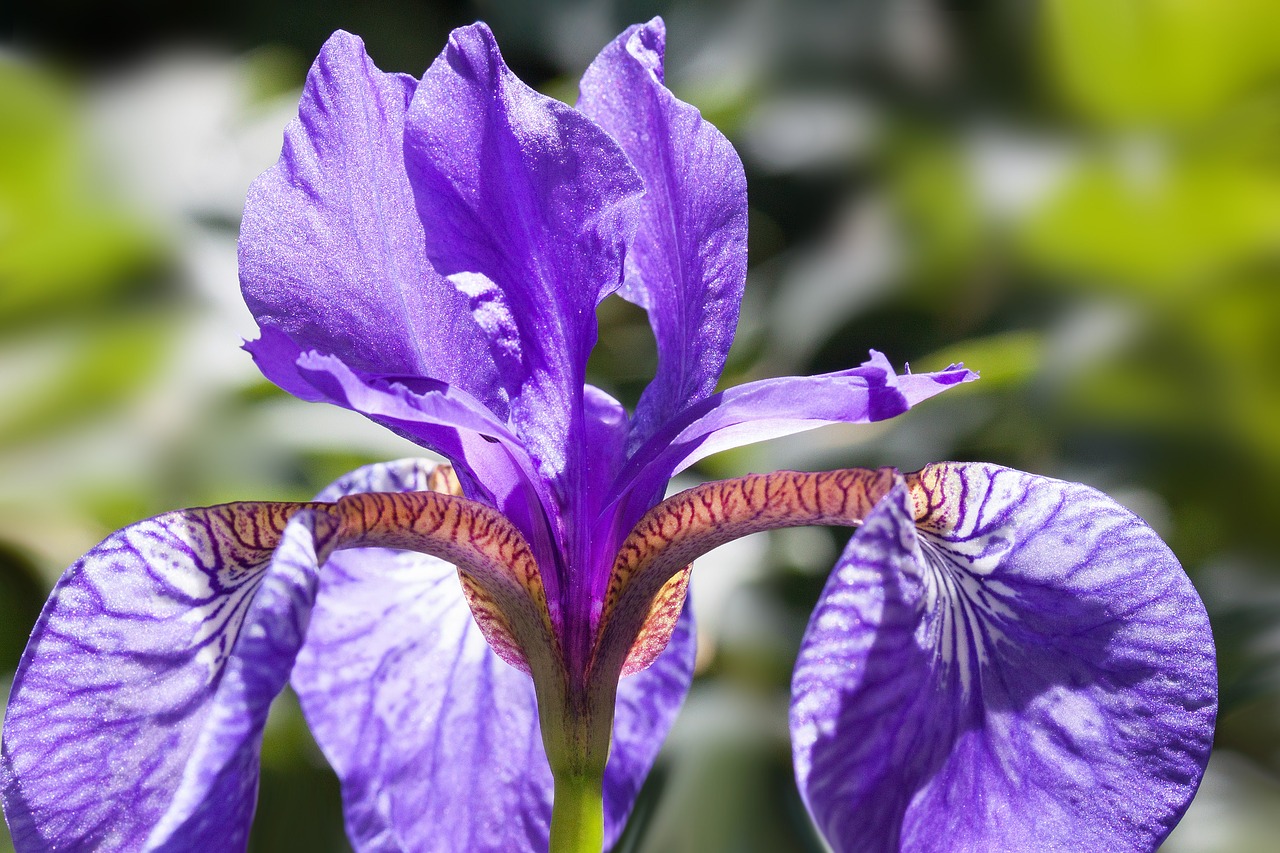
1080,199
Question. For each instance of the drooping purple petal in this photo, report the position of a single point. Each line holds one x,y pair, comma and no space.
435,739
432,414
527,206
217,794
1023,666
332,249
136,715
772,408
688,265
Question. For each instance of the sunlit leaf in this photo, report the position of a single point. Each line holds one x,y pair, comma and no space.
65,245
1158,61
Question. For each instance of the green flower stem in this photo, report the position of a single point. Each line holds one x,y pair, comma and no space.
577,815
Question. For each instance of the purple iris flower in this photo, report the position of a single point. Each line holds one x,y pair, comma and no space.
490,653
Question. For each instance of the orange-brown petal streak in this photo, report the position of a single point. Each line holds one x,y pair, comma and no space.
934,488
660,624
500,575
685,526
242,536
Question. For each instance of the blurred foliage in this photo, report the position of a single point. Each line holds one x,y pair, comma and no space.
1167,62
64,248
1079,198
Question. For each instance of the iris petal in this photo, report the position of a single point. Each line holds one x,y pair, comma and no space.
491,463
772,408
136,715
218,792
1003,662
433,415
331,245
435,739
526,206
688,264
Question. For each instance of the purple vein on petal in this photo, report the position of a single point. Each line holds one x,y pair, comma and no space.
1017,644
170,638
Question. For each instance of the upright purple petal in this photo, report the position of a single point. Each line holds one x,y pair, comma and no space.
526,206
334,266
436,739
136,716
332,250
688,264
1021,666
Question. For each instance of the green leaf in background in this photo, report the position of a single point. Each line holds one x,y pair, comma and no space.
65,247
65,378
1158,221
1164,62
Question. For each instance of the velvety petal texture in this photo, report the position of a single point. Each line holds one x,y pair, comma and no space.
436,740
333,264
527,207
1003,662
688,264
136,715
332,250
